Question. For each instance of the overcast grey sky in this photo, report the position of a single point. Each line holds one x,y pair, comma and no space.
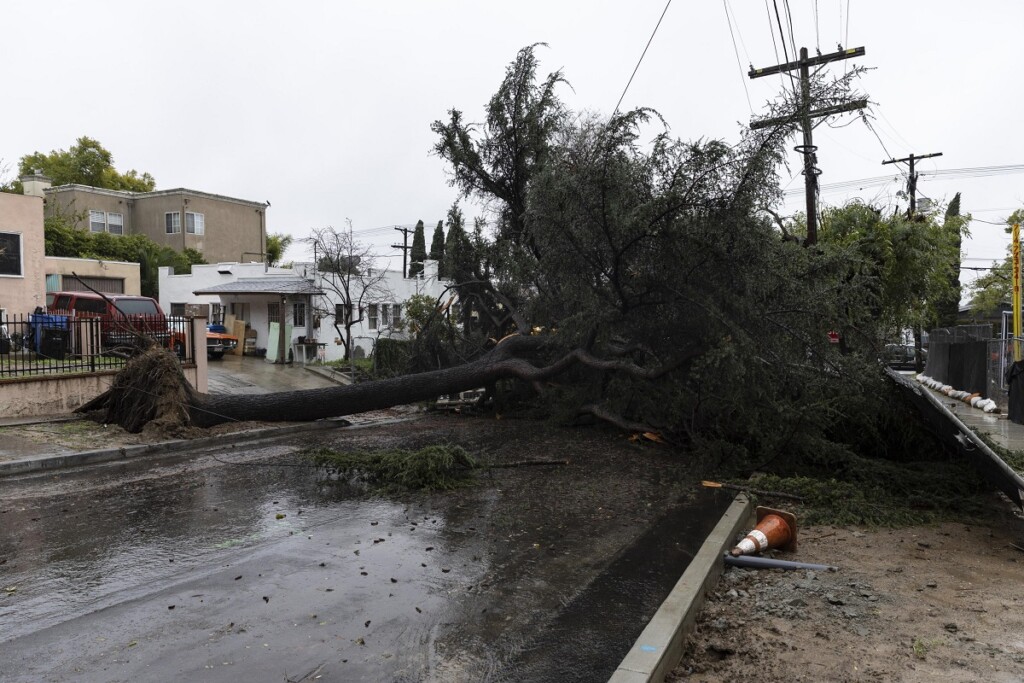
324,108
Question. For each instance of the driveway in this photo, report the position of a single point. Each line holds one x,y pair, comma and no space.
249,375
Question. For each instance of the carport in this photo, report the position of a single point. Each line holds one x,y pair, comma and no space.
278,308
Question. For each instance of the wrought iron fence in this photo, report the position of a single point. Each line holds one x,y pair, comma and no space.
49,344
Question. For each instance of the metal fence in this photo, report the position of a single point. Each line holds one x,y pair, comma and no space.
48,344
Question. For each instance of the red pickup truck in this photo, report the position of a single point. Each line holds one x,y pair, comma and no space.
123,316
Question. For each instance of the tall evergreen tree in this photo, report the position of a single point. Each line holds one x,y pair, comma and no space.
948,308
437,243
419,251
457,264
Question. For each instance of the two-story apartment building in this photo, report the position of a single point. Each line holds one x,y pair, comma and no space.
220,228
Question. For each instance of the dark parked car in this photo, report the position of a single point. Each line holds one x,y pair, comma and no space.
901,356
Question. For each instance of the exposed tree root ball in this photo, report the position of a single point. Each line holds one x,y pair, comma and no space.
150,390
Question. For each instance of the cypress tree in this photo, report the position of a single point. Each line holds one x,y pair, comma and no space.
437,244
455,247
419,251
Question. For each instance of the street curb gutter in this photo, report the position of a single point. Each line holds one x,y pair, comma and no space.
53,462
660,646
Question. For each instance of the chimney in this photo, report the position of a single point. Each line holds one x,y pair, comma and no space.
35,184
429,269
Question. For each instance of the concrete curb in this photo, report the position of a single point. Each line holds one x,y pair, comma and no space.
60,461
660,646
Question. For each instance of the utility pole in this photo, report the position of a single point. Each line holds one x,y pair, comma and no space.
804,115
912,179
404,246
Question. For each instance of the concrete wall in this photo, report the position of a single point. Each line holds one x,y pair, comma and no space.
61,394
23,216
121,270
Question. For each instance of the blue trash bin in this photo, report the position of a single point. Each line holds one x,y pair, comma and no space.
53,329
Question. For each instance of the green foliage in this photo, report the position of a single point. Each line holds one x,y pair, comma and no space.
434,468
993,289
437,243
86,162
277,245
650,268
522,119
458,251
903,269
418,253
390,357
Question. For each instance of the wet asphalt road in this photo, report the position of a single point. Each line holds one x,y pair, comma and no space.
217,572
241,566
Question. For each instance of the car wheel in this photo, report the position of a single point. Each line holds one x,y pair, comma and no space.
179,349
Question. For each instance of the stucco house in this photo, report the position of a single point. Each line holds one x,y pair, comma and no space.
256,294
220,228
22,246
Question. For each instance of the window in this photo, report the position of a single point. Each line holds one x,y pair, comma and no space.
172,222
343,314
299,314
217,314
10,254
96,306
178,310
97,221
385,315
396,314
371,313
195,223
274,313
115,223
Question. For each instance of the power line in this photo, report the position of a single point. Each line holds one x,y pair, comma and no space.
743,78
639,61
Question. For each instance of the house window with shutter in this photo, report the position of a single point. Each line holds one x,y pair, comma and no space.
371,314
385,315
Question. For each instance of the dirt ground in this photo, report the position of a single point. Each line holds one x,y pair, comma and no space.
942,603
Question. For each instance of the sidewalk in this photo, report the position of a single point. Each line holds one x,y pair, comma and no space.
57,441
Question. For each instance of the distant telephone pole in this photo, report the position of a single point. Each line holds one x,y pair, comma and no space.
404,246
805,114
912,178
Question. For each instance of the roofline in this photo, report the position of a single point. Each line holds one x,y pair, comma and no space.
126,194
94,260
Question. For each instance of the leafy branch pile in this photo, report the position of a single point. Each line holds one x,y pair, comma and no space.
438,467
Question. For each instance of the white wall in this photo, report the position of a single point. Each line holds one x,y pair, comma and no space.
179,288
399,291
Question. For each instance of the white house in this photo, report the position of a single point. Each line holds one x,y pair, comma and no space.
255,294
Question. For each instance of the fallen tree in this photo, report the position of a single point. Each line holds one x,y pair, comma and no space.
152,388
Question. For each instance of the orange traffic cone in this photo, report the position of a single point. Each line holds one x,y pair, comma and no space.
775,529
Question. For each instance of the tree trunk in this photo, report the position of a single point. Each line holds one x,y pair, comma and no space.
504,361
